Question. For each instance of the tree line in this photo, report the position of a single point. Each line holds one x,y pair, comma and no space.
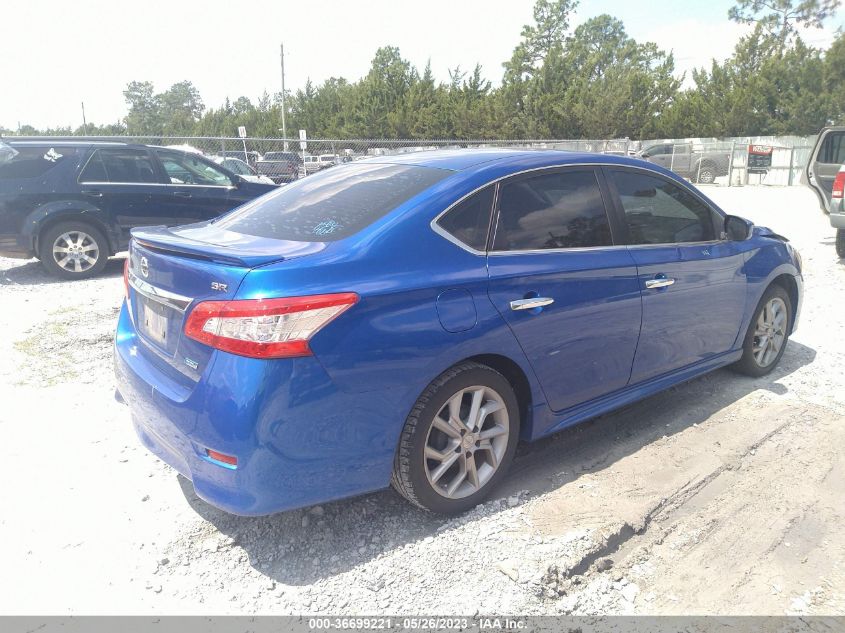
593,81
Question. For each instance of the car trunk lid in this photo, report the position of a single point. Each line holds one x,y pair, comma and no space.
173,269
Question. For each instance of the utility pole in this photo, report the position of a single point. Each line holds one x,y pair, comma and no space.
284,127
84,122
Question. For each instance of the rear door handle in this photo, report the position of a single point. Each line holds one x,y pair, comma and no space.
659,282
93,193
530,304
182,194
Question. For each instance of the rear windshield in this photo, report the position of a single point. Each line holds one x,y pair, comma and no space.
332,204
32,162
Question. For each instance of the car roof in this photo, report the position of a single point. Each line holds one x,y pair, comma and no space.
48,141
463,159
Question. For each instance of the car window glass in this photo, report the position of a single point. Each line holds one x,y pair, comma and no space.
660,212
32,162
236,166
558,210
333,203
119,165
833,149
469,221
188,169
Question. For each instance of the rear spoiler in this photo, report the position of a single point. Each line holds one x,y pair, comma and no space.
204,241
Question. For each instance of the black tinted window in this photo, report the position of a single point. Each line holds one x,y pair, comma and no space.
332,204
32,162
119,165
833,149
660,212
559,210
469,221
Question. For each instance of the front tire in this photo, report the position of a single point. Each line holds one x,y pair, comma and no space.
458,440
840,243
768,333
73,250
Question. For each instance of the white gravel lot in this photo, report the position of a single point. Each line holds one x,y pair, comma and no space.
723,495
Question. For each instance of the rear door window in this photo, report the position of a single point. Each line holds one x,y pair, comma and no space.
120,165
832,151
332,204
32,162
551,211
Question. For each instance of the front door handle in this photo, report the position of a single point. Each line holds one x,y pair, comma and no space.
94,193
530,304
659,282
182,194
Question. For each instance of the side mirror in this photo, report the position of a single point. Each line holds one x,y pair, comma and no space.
738,229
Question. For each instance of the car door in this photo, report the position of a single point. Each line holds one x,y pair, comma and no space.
692,281
570,297
680,159
196,189
125,183
827,157
659,155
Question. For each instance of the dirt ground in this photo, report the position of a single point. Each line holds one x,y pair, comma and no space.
723,495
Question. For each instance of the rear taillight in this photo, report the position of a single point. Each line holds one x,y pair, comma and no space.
265,328
838,186
126,277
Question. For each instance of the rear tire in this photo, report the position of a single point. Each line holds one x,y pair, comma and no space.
768,333
73,250
458,440
840,243
706,174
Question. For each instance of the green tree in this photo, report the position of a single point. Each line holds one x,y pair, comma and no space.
144,116
180,107
780,18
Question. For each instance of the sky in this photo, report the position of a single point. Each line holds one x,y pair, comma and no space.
55,54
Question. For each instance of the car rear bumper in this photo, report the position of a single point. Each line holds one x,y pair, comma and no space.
837,214
297,438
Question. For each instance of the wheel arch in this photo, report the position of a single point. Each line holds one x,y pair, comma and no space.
515,375
70,215
788,283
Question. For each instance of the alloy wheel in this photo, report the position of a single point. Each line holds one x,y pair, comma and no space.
466,442
75,251
770,332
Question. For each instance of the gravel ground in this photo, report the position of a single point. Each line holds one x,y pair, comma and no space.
723,495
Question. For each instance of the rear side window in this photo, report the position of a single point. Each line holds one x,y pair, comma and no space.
119,165
469,221
833,149
332,204
557,210
32,162
660,212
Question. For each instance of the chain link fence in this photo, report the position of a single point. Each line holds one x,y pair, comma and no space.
731,162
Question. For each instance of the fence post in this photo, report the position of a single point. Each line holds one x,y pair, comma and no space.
731,164
791,164
698,175
223,146
747,161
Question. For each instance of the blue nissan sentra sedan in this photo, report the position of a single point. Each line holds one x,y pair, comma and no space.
407,320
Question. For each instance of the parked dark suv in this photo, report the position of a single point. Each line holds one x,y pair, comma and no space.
72,203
